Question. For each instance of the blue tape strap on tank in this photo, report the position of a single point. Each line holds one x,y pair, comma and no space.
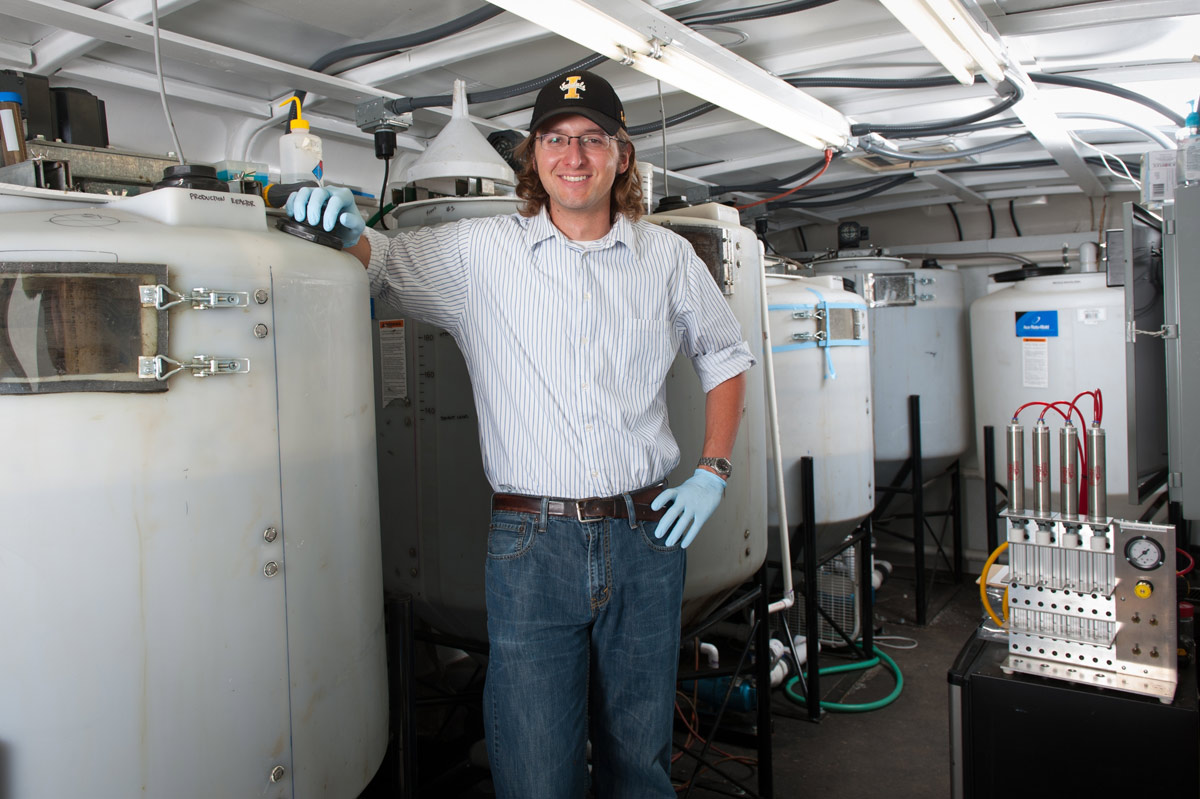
810,307
823,305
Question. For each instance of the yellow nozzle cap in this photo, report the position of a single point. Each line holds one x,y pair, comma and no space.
298,123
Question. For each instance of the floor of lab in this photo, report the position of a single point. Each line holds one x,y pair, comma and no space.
900,751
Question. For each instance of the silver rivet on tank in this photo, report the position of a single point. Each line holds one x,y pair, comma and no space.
745,534
260,296
270,534
260,330
271,569
277,773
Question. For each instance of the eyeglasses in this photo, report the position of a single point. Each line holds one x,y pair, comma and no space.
592,142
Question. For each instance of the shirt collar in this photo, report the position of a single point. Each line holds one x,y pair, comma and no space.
539,228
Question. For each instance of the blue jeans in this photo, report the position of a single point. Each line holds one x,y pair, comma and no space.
583,628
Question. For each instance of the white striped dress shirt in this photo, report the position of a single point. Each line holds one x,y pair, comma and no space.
567,343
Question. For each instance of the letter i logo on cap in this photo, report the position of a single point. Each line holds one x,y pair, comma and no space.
572,87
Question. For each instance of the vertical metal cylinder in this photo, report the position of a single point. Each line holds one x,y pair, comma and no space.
1041,469
1014,437
1068,471
1097,475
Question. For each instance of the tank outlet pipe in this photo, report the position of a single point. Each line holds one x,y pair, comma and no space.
1014,438
711,656
1096,475
1068,471
785,548
1041,469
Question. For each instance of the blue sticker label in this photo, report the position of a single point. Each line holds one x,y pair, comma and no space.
319,170
1037,324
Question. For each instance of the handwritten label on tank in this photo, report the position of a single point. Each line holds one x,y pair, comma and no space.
393,368
1037,324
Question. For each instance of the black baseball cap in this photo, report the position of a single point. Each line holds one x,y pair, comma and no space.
584,93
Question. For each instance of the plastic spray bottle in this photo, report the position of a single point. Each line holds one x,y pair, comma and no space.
1187,158
299,151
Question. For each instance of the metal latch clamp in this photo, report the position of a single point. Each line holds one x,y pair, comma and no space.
155,366
201,299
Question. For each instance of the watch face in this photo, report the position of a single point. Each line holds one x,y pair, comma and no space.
723,466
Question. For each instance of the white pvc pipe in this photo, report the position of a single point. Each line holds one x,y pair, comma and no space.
785,549
1156,135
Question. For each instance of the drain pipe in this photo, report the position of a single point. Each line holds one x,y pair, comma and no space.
785,549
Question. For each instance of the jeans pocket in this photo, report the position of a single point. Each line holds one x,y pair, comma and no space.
648,529
510,535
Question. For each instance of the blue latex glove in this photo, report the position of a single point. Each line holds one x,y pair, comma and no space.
333,209
691,505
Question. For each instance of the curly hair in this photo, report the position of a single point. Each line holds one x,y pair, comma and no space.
626,196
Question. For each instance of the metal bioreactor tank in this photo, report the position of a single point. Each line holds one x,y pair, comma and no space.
435,498
190,590
918,346
820,342
1046,339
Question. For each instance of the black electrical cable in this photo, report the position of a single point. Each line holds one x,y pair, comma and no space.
405,104
402,42
803,241
387,167
957,224
1012,214
899,131
991,221
772,185
891,183
757,12
674,119
1107,88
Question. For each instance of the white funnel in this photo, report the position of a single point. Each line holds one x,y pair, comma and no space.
460,151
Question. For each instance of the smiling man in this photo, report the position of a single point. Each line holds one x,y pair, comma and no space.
569,316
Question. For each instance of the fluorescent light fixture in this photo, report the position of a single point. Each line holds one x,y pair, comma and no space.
951,36
639,36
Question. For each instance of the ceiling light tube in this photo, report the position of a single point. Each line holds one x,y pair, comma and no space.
950,36
662,53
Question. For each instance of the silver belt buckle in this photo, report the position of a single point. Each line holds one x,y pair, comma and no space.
579,513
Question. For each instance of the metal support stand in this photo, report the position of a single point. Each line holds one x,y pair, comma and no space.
759,639
400,762
989,488
813,612
913,471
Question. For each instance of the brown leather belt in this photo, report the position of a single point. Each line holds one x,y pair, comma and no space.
592,509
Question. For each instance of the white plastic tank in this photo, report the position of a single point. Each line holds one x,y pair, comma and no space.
821,346
918,346
733,544
435,499
190,592
1045,339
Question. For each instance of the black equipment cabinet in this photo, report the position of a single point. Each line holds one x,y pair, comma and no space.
1021,735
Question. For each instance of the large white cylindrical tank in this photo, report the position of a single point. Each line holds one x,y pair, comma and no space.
918,346
733,544
435,499
190,592
821,346
1045,339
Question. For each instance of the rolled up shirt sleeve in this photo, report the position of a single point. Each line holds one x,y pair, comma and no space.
710,333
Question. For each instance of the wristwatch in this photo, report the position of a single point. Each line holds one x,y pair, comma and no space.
721,466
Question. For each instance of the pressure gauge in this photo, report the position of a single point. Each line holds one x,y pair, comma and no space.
1144,553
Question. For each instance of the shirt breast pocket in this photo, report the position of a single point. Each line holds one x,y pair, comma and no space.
648,347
